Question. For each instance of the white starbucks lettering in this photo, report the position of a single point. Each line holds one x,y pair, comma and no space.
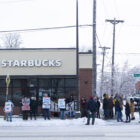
3,63
16,63
45,63
31,63
23,63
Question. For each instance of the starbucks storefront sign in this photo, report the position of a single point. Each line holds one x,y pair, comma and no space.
38,62
31,63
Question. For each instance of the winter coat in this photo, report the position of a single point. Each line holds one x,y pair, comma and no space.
110,104
98,105
132,107
127,109
118,106
105,103
33,105
83,103
92,106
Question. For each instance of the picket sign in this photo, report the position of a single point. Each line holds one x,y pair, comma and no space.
8,107
46,103
25,104
61,103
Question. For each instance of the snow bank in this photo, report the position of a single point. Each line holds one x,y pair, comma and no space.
61,123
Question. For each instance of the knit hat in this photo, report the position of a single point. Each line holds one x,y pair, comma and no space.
91,97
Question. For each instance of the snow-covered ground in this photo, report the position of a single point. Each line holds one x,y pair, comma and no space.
69,129
17,121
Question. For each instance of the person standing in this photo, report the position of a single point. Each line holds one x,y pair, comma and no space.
98,107
33,108
105,106
83,107
71,107
8,109
25,107
127,111
132,109
110,107
62,107
46,104
91,110
118,110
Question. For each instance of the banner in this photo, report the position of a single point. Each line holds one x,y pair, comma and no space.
46,103
8,107
61,103
25,104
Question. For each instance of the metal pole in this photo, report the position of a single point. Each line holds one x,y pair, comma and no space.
94,66
77,55
102,75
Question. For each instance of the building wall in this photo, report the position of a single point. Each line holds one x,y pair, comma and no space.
85,83
85,61
85,74
137,86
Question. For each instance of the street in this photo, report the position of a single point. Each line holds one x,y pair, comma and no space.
107,131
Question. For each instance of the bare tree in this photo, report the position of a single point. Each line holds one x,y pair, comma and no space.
124,81
12,40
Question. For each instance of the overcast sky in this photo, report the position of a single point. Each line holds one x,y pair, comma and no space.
26,14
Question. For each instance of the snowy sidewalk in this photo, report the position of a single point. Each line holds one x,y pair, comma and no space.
60,123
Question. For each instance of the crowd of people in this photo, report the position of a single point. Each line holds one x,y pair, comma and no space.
112,108
29,107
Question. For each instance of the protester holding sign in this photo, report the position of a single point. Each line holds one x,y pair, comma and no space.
46,103
25,107
62,107
8,109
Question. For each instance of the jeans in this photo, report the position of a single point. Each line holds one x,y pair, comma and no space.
46,113
71,114
62,114
106,113
9,115
119,115
90,115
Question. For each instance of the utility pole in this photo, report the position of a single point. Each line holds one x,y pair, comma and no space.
114,22
77,56
94,66
102,75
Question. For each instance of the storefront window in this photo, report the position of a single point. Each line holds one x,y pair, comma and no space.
57,83
32,82
44,90
2,96
55,87
57,93
3,83
45,83
70,82
17,83
18,94
70,92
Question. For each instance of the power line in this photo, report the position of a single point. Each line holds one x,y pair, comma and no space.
98,40
47,28
14,1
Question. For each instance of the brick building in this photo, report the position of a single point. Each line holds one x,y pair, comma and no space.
34,72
